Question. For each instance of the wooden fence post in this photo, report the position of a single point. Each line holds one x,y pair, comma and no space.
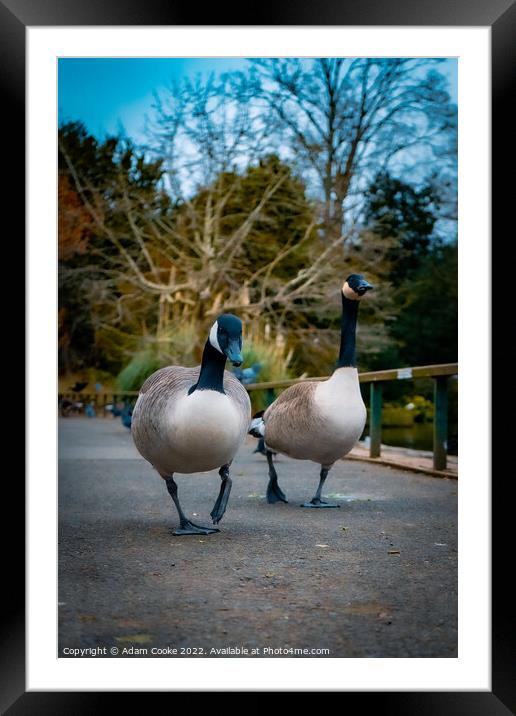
440,422
375,419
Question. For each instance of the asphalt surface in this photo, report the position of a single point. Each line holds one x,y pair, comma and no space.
375,578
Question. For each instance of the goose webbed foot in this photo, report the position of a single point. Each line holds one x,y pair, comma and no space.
220,505
190,528
274,491
186,527
317,502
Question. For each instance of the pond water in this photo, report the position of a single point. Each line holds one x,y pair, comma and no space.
417,437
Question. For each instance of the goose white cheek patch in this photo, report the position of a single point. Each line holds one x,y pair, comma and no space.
213,337
349,293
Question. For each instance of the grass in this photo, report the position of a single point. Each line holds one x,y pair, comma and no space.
138,370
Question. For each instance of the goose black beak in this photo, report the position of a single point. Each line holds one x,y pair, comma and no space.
234,355
363,287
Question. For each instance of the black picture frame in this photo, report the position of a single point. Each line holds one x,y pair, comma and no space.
500,15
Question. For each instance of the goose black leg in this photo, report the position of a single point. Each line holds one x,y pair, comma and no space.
222,500
274,491
185,526
316,500
260,447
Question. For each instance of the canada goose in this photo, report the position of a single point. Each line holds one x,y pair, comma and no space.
194,419
319,421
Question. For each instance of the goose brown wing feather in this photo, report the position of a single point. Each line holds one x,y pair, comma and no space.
291,412
170,378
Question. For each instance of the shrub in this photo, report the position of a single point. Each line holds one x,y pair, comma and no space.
421,408
138,369
176,347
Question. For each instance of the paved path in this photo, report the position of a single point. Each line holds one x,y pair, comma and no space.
276,576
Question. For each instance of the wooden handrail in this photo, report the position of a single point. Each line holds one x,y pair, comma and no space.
104,394
422,371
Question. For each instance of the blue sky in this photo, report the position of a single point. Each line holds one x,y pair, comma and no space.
106,92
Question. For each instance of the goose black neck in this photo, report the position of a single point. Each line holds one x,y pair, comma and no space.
348,328
211,376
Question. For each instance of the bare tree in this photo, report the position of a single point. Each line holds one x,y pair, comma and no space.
190,264
343,119
202,128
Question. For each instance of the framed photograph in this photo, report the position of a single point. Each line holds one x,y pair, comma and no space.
188,185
